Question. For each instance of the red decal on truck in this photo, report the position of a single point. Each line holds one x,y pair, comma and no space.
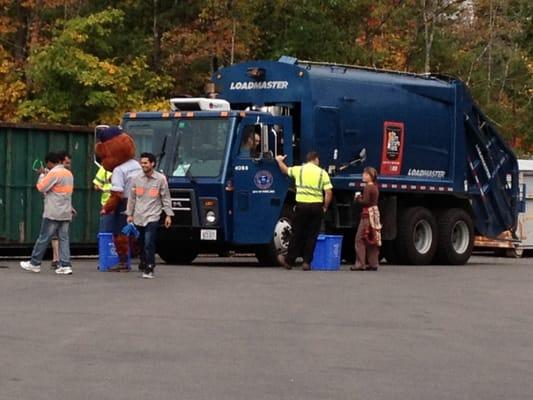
392,153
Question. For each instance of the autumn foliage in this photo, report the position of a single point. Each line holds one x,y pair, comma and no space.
83,62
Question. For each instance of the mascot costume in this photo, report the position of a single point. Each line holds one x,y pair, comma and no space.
116,151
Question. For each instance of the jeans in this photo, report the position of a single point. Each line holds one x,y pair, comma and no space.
147,242
50,228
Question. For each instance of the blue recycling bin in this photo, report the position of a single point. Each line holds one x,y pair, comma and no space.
107,254
327,255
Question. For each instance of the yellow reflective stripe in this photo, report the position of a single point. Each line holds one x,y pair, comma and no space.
103,176
309,188
306,191
310,182
309,193
327,182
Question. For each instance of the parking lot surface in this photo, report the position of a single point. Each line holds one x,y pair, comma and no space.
229,329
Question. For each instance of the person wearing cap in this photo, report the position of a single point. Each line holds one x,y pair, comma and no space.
116,150
313,196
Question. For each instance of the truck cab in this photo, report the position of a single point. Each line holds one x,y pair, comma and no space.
226,188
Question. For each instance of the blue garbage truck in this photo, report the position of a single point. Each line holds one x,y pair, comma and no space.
445,173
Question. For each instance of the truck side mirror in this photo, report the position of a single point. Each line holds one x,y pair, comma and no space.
264,138
265,150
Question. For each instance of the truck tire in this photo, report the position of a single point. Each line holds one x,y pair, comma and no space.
177,256
416,243
268,254
456,236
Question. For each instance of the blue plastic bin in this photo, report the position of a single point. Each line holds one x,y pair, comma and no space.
107,254
327,255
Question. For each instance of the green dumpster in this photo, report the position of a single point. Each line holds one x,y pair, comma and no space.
21,205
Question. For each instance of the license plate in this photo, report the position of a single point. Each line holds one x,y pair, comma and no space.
208,234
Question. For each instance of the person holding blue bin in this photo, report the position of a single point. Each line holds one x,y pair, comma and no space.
149,197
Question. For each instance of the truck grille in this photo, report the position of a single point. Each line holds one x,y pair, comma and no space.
182,203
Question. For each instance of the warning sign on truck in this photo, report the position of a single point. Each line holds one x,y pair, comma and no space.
392,153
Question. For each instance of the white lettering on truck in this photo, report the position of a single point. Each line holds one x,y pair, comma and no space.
426,173
280,85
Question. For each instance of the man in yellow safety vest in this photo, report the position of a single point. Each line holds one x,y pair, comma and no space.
102,183
313,196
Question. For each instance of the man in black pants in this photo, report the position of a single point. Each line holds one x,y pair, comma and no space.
313,196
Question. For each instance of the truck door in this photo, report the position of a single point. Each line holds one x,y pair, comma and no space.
327,136
259,186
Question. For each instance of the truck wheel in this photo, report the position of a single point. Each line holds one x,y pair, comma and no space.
177,256
416,243
268,254
456,236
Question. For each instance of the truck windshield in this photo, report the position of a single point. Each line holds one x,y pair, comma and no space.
185,147
200,145
149,135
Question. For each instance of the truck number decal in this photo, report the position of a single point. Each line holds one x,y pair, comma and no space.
392,153
241,168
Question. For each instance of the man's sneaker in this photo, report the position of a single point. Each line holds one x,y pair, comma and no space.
28,266
64,271
148,275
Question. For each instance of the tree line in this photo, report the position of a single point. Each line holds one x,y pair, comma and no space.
88,61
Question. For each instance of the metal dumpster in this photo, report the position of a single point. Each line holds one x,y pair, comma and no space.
21,205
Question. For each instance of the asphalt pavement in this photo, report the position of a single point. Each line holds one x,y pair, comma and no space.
229,329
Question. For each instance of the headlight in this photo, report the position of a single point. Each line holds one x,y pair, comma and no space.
210,217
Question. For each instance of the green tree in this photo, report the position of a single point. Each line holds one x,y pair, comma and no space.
312,30
222,30
77,77
12,86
